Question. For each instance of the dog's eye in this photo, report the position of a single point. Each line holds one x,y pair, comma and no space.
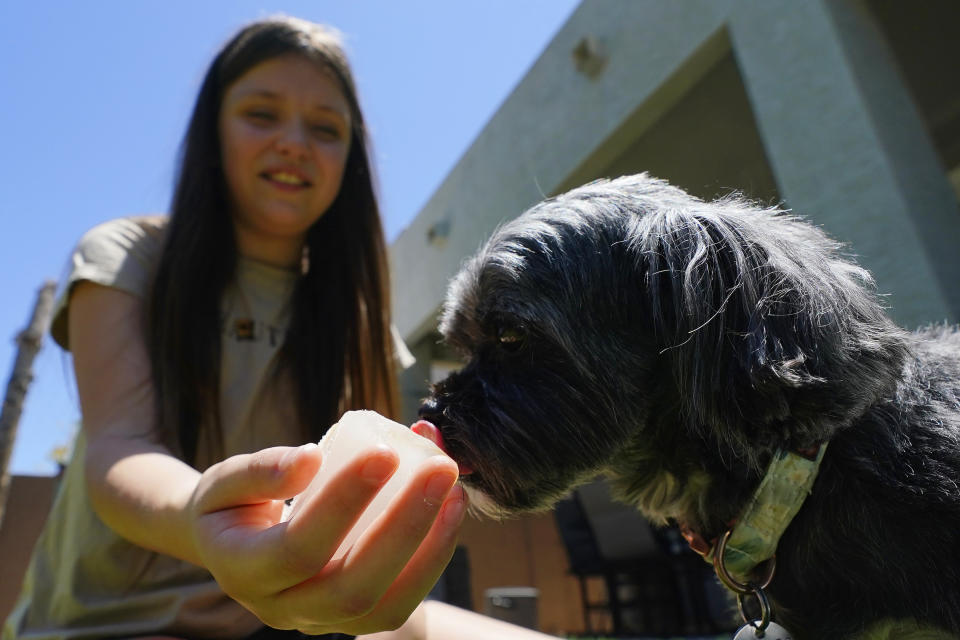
510,337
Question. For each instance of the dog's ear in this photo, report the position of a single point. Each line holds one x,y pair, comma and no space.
771,337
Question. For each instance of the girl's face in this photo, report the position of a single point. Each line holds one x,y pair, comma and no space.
285,134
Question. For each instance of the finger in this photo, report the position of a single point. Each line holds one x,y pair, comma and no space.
391,540
384,549
237,502
276,473
303,545
424,568
421,573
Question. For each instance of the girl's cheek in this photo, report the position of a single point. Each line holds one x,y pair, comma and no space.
335,156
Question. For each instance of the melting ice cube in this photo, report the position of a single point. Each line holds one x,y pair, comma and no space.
359,431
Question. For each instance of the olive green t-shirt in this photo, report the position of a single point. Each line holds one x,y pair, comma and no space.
85,581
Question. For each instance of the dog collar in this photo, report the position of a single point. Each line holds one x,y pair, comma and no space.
753,537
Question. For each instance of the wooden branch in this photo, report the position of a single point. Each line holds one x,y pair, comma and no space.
29,342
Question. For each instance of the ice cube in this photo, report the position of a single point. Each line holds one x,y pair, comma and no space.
359,431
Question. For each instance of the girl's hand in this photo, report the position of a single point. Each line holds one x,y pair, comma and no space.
281,571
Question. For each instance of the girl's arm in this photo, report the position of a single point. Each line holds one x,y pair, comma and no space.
136,487
228,518
434,620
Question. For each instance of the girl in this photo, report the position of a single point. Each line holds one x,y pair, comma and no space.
246,322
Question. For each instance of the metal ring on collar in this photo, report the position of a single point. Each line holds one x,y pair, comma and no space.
732,583
759,627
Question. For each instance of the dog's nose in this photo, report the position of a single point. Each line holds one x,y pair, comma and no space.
430,411
430,426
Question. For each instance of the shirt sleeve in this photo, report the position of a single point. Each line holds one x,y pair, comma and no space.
120,254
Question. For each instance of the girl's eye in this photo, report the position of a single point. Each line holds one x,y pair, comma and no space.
326,132
261,117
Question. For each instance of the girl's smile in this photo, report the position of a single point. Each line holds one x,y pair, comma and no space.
289,179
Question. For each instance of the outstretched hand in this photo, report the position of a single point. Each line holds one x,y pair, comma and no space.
282,572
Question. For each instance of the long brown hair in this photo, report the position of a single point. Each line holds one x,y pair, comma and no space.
338,349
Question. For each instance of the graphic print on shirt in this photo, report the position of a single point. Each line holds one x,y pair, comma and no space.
252,330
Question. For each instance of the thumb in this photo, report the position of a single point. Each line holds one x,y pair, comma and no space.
276,473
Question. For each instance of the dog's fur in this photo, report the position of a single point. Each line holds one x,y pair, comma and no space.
674,344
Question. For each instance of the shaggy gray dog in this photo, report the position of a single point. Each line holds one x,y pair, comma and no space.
675,345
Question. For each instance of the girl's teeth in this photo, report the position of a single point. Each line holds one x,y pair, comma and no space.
286,178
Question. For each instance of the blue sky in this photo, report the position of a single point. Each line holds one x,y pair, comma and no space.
96,95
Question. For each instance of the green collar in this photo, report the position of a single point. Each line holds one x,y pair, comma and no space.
754,536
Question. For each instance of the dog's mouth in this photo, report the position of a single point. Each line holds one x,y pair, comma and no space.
491,494
429,431
502,469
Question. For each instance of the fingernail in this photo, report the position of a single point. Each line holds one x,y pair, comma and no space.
455,509
380,467
290,457
437,488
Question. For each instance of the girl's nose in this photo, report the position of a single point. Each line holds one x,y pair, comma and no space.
292,141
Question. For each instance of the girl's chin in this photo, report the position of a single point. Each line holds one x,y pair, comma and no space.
278,220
